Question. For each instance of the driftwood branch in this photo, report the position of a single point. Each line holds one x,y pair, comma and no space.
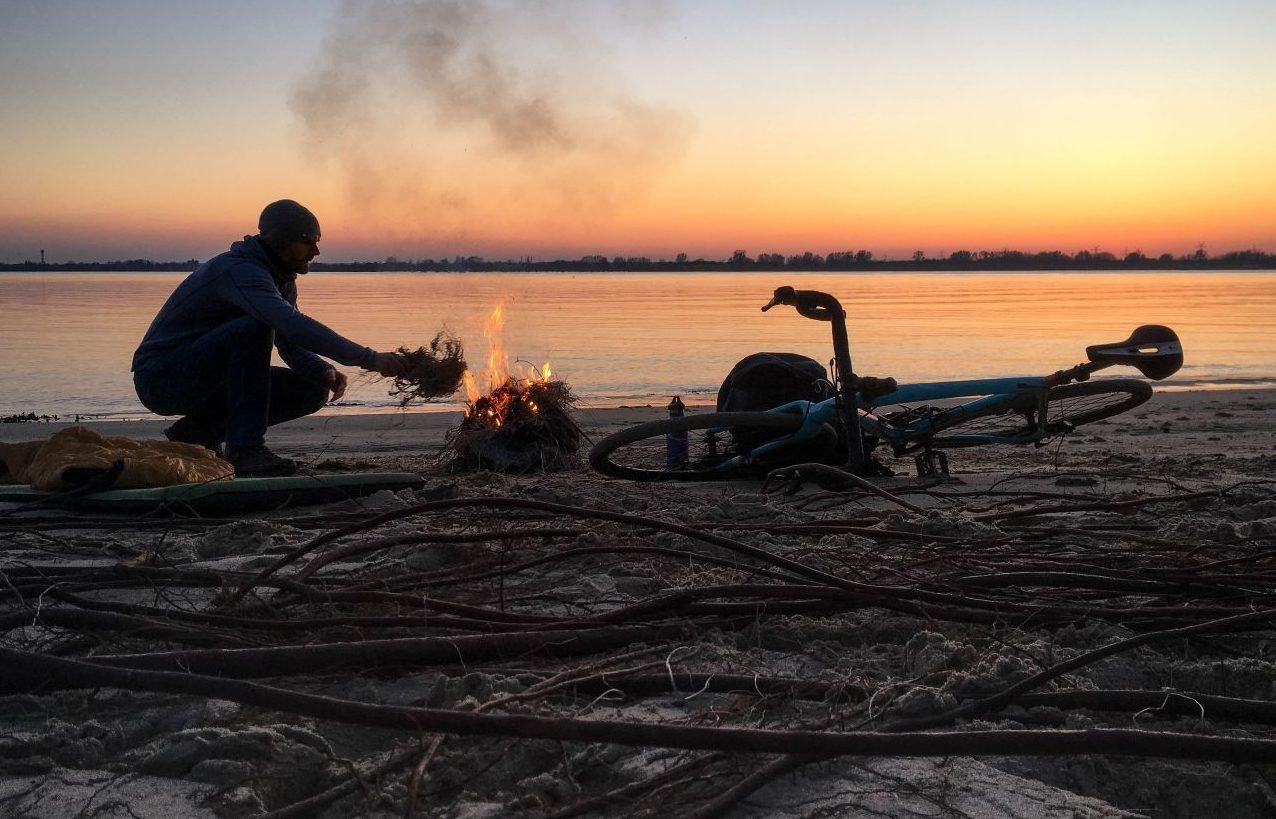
32,673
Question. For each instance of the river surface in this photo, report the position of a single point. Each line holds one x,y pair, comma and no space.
66,339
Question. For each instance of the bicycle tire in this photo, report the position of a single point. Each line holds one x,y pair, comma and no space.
638,453
1068,406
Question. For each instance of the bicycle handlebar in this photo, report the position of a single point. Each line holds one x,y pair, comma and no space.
811,304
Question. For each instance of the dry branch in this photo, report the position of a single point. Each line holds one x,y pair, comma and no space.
249,663
32,673
433,372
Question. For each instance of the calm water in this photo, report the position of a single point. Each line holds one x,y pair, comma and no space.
626,338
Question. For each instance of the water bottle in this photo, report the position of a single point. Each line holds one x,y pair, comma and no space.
676,442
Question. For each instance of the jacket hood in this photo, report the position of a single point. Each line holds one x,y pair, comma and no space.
252,248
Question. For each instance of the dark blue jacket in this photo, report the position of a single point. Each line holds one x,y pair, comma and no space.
247,280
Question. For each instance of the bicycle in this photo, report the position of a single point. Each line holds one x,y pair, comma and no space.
1004,411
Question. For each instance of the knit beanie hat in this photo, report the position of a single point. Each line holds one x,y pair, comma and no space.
286,221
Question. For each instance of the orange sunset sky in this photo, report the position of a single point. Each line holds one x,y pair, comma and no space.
557,129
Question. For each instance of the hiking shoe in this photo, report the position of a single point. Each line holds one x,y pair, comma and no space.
258,462
187,431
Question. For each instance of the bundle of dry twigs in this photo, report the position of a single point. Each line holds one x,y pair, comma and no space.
433,372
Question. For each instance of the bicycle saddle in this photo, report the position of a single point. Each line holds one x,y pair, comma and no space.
1152,349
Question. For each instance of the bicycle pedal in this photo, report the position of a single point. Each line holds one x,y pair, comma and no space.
931,464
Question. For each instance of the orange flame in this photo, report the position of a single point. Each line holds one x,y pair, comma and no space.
497,374
498,360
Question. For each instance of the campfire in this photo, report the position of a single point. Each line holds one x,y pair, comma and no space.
522,423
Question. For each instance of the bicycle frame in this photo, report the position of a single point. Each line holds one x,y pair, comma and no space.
1025,393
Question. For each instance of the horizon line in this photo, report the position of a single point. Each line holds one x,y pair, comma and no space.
740,258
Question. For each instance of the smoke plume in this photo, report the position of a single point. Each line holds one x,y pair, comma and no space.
473,117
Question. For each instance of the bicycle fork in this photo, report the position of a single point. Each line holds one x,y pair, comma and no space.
819,306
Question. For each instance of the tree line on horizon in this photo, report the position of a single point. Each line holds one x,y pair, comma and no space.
740,260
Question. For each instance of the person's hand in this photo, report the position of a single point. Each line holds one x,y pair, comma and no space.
336,381
390,365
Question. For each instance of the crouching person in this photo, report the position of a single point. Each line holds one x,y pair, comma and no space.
206,356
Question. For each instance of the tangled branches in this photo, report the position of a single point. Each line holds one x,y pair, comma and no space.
976,623
433,372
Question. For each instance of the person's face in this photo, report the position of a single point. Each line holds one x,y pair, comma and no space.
297,255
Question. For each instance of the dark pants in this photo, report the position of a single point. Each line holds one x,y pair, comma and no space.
223,382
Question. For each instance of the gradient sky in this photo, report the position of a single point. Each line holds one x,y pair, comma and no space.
159,128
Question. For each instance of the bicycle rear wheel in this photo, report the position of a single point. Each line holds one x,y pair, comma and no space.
1075,404
1067,407
639,453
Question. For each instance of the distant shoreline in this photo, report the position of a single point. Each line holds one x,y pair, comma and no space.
740,261
926,266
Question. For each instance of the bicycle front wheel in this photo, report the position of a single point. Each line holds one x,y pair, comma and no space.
1067,407
641,453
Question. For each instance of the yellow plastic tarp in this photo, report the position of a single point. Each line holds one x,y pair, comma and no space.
146,463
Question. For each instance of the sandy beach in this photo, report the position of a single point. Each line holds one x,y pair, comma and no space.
1080,629
503,236
388,434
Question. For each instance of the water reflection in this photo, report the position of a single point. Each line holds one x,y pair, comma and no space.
638,338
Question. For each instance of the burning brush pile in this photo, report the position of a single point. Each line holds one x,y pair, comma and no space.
521,424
